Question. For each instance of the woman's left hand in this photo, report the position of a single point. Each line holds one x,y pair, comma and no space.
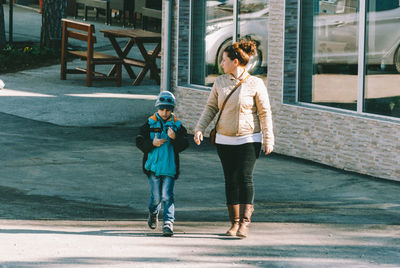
268,148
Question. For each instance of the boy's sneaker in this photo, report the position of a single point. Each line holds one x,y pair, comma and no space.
152,221
168,229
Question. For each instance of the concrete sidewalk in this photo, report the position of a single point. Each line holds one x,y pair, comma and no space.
129,244
76,197
72,193
39,94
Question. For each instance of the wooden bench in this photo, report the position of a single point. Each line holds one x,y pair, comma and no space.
150,52
85,33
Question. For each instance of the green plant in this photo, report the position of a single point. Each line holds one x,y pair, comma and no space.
22,56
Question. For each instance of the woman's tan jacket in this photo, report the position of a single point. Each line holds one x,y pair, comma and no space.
246,112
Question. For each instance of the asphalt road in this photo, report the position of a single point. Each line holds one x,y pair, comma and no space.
76,197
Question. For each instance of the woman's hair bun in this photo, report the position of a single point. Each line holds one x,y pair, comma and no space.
248,46
242,51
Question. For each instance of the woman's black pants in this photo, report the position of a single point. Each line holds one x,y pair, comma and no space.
238,162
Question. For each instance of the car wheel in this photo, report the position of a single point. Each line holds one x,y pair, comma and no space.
252,67
397,59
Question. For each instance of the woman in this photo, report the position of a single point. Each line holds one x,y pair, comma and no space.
245,125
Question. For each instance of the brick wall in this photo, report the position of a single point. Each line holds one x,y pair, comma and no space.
340,139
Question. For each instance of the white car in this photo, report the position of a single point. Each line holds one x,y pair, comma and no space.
335,37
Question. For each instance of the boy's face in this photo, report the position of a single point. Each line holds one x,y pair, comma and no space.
164,113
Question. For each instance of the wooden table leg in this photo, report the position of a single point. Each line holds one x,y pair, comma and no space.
150,63
154,71
122,55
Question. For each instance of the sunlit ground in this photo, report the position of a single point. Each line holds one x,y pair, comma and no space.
115,95
196,244
19,93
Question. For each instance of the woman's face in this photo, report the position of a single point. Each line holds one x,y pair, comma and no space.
227,64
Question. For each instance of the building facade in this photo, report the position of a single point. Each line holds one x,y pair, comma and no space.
332,69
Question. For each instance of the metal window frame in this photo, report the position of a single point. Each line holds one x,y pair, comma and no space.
298,69
189,73
235,20
361,56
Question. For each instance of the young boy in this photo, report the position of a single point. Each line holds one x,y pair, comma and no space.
161,139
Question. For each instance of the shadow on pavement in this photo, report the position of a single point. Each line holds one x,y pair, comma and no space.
19,205
90,173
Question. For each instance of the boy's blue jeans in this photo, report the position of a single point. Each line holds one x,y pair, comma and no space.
162,190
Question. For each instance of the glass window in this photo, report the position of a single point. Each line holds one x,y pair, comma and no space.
253,25
329,53
214,26
382,80
330,49
197,51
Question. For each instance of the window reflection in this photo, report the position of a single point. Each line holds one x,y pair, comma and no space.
219,34
253,24
382,80
330,53
213,21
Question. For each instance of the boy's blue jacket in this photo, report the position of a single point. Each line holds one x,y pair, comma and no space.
163,160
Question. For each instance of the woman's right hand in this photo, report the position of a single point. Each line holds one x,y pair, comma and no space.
198,137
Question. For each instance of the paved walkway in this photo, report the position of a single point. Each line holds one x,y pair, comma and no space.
72,193
76,197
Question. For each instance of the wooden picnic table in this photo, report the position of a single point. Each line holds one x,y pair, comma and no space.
138,37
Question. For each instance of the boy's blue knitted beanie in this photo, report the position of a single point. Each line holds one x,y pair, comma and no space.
165,100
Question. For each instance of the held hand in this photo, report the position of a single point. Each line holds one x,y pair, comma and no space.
198,137
171,134
268,149
158,142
